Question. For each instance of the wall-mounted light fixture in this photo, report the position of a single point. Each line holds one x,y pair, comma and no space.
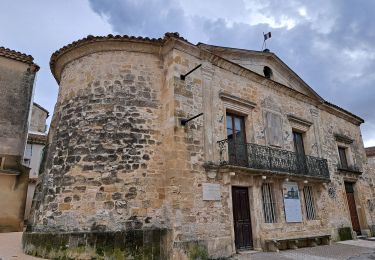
184,121
182,77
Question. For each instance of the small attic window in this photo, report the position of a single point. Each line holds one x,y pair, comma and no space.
267,72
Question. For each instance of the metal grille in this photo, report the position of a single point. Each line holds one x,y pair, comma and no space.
309,202
268,203
267,158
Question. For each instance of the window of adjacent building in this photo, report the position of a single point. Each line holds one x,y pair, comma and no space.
309,203
267,72
28,151
274,131
343,158
26,162
268,203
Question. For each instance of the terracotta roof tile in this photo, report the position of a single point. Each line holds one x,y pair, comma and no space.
370,151
37,139
19,56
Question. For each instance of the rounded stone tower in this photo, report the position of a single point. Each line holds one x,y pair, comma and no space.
102,189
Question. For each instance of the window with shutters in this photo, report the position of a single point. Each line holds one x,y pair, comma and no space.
268,203
309,203
274,130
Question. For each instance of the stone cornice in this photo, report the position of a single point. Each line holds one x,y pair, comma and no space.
236,100
92,45
18,56
299,120
336,110
343,139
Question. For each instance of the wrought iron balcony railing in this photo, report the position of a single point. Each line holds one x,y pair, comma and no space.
272,159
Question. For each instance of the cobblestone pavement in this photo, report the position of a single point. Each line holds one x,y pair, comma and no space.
350,250
10,249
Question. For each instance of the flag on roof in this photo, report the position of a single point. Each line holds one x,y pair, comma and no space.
267,35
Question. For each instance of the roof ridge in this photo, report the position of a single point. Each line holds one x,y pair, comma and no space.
16,55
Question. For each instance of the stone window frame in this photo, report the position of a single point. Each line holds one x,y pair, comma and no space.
345,142
238,106
314,202
274,204
302,126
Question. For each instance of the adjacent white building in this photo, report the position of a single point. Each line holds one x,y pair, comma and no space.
36,142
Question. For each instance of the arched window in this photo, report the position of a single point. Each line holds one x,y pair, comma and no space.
267,72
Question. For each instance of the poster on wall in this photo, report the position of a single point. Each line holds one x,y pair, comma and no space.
292,202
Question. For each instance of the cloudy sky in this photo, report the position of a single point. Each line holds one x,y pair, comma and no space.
330,44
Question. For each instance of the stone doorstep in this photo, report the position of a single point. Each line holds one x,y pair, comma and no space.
247,252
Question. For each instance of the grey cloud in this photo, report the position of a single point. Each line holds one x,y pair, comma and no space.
331,47
145,18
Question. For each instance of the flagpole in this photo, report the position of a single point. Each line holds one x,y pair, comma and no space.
264,42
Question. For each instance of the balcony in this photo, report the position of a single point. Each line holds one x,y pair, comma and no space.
277,161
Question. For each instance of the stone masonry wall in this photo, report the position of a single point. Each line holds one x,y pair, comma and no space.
319,139
16,88
106,169
120,160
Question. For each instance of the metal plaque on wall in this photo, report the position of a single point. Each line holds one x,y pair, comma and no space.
292,202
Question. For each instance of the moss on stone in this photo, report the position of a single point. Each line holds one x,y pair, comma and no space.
198,252
133,244
345,233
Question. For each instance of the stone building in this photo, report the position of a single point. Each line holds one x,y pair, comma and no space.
17,74
370,153
34,151
270,164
